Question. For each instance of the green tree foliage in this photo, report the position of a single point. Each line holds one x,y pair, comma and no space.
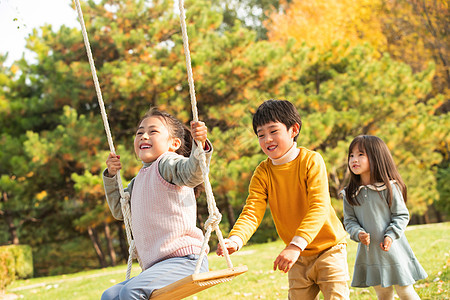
251,13
417,32
54,146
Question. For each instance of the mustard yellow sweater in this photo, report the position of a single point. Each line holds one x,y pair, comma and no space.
299,200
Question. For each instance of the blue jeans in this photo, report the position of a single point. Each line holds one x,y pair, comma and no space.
157,276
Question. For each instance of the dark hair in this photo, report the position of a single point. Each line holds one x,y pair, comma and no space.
381,164
281,111
176,129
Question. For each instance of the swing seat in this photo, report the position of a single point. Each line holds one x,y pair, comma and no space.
196,282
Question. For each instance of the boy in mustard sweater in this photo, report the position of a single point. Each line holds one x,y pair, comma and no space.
293,181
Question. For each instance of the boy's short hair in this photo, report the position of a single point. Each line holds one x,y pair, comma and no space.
281,111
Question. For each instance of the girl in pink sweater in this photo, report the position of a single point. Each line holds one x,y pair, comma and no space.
163,204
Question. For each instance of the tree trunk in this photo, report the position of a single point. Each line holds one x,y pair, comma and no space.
98,250
11,228
14,238
230,213
122,241
414,220
436,212
112,252
200,221
426,218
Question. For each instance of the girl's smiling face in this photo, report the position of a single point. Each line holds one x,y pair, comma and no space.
275,139
153,139
358,163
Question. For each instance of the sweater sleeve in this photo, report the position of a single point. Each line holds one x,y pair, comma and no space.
113,195
183,171
399,215
318,199
254,208
351,223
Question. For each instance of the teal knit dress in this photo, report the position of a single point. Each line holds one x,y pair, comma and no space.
373,266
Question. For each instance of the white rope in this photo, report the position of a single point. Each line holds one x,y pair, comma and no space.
212,223
124,199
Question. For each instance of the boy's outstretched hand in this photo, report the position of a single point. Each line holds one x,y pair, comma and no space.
287,258
231,247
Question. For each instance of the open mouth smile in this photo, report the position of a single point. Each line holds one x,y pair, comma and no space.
145,146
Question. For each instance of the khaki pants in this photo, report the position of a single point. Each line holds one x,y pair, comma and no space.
326,272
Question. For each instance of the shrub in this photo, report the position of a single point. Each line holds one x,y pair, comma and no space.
23,257
7,268
16,261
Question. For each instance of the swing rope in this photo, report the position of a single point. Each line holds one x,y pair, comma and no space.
212,223
124,196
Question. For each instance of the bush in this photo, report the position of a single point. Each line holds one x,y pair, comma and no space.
7,268
16,261
23,257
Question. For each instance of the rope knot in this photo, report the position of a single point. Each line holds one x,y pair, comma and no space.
125,199
213,220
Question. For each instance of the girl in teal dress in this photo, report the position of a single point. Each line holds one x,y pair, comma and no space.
375,215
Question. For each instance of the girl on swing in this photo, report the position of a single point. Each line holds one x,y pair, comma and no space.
163,204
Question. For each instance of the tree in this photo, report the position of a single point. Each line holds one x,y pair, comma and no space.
414,32
251,13
417,32
321,23
53,142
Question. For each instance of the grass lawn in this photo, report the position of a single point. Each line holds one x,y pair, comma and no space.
431,245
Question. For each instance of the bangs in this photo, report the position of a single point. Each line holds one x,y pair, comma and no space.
266,117
360,147
359,143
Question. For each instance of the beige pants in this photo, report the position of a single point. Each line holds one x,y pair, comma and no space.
326,272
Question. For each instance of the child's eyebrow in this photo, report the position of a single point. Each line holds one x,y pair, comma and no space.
150,126
270,127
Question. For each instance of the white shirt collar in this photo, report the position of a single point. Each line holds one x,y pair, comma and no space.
289,156
378,186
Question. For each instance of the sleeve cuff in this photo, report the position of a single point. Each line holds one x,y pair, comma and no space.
299,242
391,235
208,146
237,240
106,174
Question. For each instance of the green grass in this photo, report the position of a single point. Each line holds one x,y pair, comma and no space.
430,243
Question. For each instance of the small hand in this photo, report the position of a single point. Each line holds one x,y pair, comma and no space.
287,258
364,237
386,245
230,245
199,132
113,164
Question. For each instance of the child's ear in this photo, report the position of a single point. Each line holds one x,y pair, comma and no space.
295,130
176,144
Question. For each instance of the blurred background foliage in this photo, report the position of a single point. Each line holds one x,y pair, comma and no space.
351,67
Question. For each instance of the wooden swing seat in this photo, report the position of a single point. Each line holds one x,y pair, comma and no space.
196,282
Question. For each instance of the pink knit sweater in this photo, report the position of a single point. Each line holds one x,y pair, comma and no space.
163,218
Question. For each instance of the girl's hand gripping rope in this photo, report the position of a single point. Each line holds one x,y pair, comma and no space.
113,164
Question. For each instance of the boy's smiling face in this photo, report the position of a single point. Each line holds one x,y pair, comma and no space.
275,139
